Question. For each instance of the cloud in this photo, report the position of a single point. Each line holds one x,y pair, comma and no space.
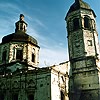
8,17
40,23
35,22
35,34
50,57
9,8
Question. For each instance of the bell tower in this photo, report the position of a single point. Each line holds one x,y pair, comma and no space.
84,52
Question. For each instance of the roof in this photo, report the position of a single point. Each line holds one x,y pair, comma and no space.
80,4
19,36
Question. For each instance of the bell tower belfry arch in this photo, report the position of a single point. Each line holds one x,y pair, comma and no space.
83,52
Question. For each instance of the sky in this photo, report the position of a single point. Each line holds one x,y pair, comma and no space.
45,19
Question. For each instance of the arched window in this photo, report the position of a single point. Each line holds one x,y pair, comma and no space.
86,22
76,24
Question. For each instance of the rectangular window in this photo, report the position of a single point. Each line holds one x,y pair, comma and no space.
33,57
62,95
19,54
89,42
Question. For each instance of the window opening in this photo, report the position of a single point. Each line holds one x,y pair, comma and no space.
76,24
89,42
86,22
19,54
33,57
62,96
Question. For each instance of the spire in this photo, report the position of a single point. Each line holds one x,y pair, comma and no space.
21,24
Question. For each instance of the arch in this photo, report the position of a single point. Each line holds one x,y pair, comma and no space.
76,25
86,22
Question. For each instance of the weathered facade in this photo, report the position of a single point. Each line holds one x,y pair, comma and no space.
42,83
84,55
20,76
22,79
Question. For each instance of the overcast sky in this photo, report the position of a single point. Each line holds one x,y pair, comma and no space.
46,23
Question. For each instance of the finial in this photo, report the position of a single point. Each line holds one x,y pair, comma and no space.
21,25
21,17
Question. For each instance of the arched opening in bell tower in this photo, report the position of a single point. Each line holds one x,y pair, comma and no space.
76,24
86,22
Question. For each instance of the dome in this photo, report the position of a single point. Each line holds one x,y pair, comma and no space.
79,4
19,36
20,33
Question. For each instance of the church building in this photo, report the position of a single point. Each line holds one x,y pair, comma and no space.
77,79
20,76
